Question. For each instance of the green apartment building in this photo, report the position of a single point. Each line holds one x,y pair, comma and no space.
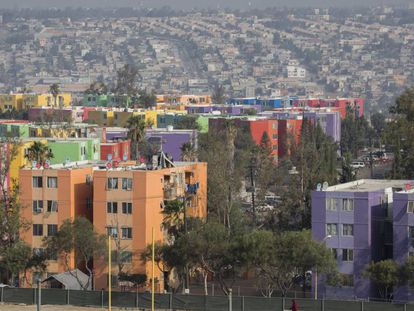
74,149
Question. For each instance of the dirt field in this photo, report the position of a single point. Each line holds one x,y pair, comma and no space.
4,307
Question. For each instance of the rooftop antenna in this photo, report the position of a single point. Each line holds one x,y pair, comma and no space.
325,186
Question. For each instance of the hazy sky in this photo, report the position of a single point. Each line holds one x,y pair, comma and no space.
183,4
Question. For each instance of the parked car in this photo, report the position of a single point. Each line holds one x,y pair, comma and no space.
357,165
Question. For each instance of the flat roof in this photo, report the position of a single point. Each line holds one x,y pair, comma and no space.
367,185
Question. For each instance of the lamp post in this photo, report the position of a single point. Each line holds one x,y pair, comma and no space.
316,270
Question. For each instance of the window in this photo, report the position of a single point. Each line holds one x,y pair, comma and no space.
330,204
347,280
52,230
274,136
410,207
83,150
331,229
127,233
126,256
37,181
52,206
38,230
126,183
347,230
126,207
348,205
112,231
334,252
411,234
52,182
112,207
37,206
112,183
347,254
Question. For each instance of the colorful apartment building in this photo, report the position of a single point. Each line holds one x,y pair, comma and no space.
344,105
74,149
49,197
128,204
363,221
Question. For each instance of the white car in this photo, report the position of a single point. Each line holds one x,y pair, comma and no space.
357,165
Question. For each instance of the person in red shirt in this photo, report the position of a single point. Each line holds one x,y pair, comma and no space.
294,305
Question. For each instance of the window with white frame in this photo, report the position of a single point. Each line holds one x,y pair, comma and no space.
37,206
112,231
347,254
37,182
348,205
112,183
52,206
126,183
126,208
52,182
331,229
410,207
127,233
347,230
330,204
112,207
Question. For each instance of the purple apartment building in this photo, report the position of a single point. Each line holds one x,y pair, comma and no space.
356,221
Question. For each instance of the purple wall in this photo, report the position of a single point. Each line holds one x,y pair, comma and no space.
402,243
172,141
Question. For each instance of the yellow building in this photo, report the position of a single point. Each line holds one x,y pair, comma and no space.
26,101
101,117
10,102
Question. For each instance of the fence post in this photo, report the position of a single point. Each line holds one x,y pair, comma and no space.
230,299
39,295
34,295
170,301
323,304
67,297
362,305
2,295
283,303
136,299
242,303
238,291
212,289
102,299
405,307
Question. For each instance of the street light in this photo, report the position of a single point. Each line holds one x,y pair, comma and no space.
316,270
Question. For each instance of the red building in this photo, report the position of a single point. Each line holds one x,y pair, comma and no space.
342,104
116,150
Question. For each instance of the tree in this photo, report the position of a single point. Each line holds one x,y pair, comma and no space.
399,133
146,100
187,122
378,123
136,126
173,220
54,89
218,97
355,133
188,152
9,149
126,81
77,240
407,272
97,88
348,172
384,274
39,152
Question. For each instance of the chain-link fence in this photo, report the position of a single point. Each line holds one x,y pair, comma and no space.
187,302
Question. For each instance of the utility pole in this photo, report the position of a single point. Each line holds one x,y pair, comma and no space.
39,295
252,172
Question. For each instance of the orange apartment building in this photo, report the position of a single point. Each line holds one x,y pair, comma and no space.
48,197
128,203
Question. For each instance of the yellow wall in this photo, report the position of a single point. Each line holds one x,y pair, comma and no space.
101,117
25,101
48,100
20,160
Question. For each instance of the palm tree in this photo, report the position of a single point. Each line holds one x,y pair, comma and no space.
54,89
188,152
136,126
39,152
174,217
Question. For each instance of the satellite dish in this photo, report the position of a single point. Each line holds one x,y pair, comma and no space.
34,164
109,165
407,187
109,157
325,185
319,187
46,165
116,163
125,157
